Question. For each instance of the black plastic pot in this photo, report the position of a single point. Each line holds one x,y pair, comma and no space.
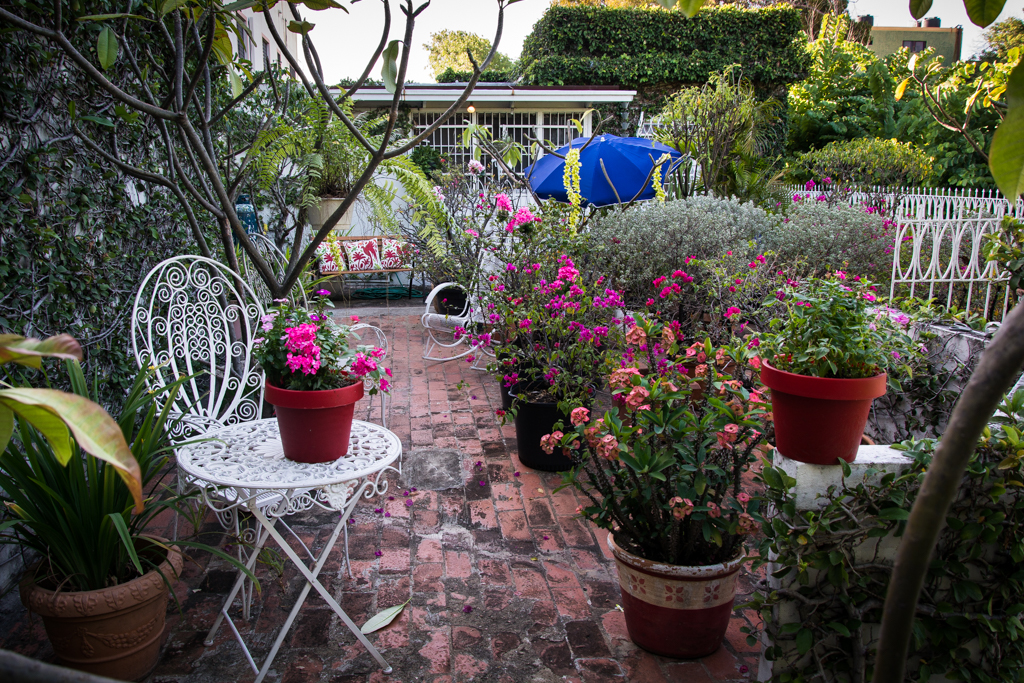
534,420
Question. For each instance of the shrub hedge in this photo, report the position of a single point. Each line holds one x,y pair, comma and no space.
637,47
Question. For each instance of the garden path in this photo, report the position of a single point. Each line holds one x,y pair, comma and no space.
506,585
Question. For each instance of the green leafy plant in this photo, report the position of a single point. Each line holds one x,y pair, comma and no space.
835,328
664,469
866,163
1007,249
78,514
828,583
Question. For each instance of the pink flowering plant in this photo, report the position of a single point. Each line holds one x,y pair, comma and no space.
665,470
554,326
836,327
305,350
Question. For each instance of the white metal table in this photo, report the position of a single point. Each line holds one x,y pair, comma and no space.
243,466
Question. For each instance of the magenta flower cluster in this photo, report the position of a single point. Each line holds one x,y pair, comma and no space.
303,352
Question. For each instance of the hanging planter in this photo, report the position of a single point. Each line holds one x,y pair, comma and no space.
818,419
315,426
676,611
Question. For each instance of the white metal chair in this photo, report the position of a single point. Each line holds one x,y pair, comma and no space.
273,256
443,342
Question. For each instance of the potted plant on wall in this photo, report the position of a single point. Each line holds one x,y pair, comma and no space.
665,474
826,361
87,506
314,378
323,156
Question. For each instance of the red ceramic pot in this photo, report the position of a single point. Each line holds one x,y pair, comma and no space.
818,419
676,611
315,425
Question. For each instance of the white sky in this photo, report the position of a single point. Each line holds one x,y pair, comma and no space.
346,41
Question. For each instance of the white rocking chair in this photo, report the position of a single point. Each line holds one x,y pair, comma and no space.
443,343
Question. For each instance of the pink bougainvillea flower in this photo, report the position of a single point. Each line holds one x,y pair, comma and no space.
503,202
731,311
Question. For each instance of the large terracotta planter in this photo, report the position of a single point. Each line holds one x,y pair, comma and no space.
818,420
315,425
676,611
115,632
533,420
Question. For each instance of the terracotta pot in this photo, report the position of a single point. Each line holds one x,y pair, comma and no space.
676,611
534,420
115,632
818,420
315,425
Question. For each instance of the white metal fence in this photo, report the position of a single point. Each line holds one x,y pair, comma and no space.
937,252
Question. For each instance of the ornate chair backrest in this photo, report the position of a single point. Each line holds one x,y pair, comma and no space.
278,263
194,315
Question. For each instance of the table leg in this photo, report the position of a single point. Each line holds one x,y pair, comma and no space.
314,582
260,541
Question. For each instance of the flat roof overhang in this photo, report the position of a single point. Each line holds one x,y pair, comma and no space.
442,95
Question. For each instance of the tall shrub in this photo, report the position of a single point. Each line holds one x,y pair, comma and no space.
637,246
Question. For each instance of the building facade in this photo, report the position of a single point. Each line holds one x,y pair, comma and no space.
522,114
258,45
947,42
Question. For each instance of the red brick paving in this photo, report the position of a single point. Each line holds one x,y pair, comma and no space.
540,584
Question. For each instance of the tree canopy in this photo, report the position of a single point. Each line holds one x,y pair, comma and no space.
1002,37
448,51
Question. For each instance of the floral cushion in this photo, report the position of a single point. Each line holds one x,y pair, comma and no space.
362,255
332,259
392,253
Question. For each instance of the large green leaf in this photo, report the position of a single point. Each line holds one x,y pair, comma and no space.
983,12
382,619
690,7
106,48
6,426
389,72
95,431
317,5
1006,157
17,349
919,8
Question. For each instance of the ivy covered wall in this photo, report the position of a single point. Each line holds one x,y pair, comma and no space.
657,52
75,240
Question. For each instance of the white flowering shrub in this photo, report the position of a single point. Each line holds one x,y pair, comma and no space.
636,246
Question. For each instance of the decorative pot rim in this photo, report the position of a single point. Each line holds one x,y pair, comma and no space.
678,571
317,398
831,388
93,603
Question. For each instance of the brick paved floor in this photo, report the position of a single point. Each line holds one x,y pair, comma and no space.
504,583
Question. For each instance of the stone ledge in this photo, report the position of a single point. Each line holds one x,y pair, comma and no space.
814,480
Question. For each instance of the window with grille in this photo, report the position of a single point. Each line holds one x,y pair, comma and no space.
266,54
915,45
243,43
557,128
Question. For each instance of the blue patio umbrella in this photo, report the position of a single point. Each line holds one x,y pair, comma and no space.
628,162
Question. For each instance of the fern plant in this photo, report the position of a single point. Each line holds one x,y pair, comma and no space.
325,157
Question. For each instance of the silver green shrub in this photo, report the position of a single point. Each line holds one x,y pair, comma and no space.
826,236
639,244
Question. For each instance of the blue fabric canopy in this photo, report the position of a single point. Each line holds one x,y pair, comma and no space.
628,162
